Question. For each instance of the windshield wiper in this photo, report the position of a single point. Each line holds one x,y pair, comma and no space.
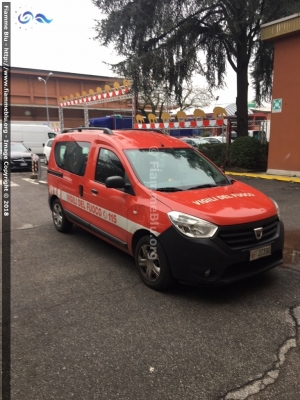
205,185
169,189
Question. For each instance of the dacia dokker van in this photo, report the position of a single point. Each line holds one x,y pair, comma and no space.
162,201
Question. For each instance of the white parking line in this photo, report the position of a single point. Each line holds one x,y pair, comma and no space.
30,180
11,183
35,182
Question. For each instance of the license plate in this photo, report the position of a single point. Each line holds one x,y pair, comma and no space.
259,253
23,164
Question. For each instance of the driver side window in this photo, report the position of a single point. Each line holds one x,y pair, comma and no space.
108,164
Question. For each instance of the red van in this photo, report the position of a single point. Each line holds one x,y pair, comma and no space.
162,201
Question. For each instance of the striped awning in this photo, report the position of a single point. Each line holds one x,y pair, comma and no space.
231,110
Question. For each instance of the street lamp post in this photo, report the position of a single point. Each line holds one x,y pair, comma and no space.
45,82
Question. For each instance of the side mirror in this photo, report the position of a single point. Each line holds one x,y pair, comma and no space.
116,182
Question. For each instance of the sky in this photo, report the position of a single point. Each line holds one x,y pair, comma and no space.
66,43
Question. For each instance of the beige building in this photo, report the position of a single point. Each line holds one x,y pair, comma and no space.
284,150
28,97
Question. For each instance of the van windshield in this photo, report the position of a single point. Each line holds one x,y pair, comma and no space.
174,169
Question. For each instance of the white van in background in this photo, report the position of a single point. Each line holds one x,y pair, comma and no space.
32,136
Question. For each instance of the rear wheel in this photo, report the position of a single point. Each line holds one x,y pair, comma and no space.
153,264
61,223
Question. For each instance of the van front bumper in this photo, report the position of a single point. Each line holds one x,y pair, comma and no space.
215,261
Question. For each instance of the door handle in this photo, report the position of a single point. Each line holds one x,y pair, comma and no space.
80,190
94,191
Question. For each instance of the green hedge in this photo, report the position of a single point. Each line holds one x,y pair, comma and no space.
216,152
247,152
244,153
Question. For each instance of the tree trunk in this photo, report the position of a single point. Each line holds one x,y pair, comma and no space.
242,86
142,111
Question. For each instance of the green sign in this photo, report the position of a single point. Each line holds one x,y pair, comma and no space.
276,105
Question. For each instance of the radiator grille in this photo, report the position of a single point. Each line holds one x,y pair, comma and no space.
240,236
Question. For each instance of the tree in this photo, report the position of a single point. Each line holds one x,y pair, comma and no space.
155,101
165,41
192,97
160,100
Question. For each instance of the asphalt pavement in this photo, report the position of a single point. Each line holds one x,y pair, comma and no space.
84,326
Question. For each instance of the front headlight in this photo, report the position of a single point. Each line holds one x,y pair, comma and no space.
191,226
277,207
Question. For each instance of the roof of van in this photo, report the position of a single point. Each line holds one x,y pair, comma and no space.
146,139
128,139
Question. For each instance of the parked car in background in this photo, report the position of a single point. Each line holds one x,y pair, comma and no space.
195,141
214,139
223,136
47,150
233,136
19,157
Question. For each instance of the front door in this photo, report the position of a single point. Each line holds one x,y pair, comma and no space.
107,208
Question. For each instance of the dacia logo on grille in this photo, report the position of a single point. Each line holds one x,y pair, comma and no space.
258,233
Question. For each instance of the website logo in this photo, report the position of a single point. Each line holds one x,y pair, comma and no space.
28,16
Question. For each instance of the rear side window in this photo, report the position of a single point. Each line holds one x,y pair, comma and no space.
72,156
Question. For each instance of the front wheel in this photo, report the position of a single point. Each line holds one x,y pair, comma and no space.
153,264
61,223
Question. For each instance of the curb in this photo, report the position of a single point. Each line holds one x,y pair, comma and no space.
265,176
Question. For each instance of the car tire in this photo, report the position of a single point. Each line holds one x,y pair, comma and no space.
45,160
153,264
61,223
